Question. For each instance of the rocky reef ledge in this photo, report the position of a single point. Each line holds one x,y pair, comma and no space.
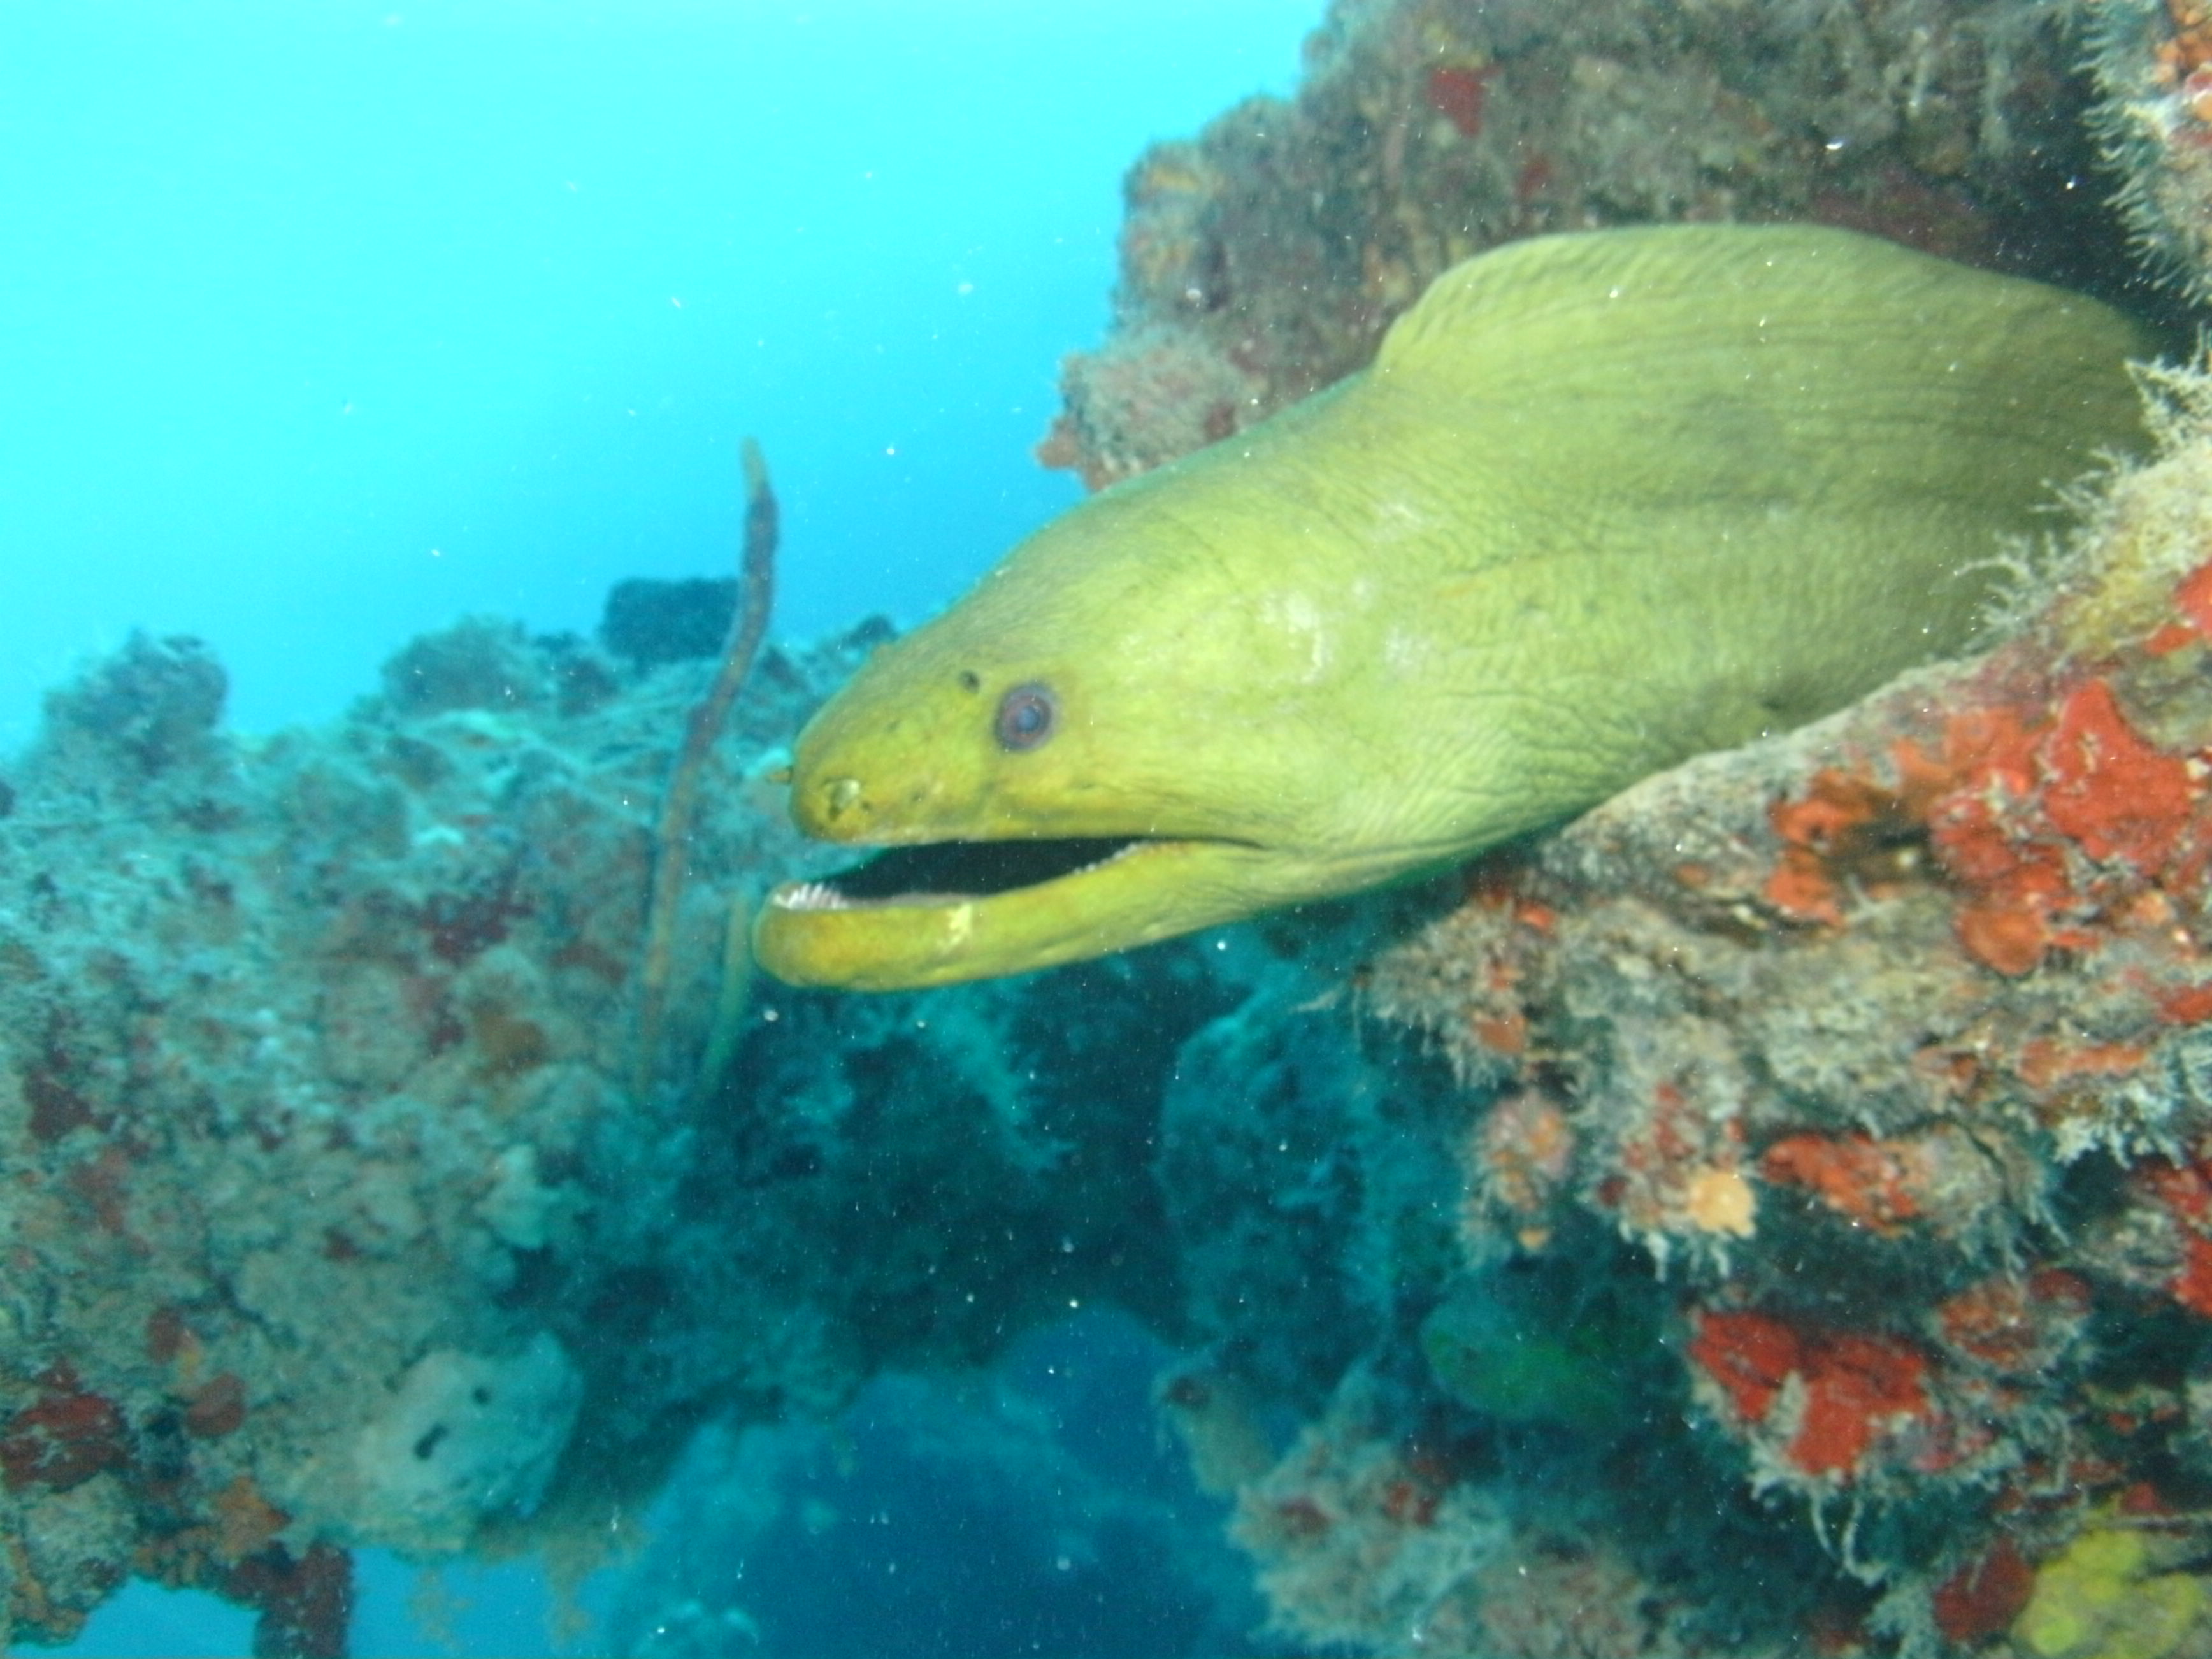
334,1215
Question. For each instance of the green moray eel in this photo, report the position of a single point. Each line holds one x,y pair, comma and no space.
1602,502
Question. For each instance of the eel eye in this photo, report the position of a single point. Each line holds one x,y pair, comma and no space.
1026,717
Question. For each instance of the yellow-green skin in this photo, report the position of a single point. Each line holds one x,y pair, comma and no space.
1603,502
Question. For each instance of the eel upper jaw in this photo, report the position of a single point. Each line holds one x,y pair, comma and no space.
943,912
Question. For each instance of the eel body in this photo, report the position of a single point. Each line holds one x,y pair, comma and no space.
1603,502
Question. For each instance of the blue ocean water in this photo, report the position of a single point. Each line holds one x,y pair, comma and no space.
1034,1510
322,323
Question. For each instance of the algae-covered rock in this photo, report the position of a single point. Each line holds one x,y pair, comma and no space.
463,1438
2102,1598
155,703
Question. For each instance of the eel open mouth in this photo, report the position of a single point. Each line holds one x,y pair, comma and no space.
946,911
948,872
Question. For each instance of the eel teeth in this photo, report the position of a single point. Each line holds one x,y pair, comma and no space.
809,896
1114,857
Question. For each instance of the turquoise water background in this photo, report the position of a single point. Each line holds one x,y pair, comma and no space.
322,322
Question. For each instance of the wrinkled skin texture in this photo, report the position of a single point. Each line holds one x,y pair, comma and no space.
1604,501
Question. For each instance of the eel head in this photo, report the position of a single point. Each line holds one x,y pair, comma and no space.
1038,788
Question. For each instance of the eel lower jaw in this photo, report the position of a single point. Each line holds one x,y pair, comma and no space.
941,913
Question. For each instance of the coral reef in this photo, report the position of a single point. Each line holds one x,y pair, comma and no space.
1884,1041
1771,1216
1807,1242
334,1217
2153,63
1263,259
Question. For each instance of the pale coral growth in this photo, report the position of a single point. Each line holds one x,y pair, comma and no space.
1672,1174
462,1436
1143,400
1517,1158
1361,1542
1720,1200
2144,528
1554,1600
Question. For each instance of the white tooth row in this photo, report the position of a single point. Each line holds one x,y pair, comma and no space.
820,896
809,896
1120,852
